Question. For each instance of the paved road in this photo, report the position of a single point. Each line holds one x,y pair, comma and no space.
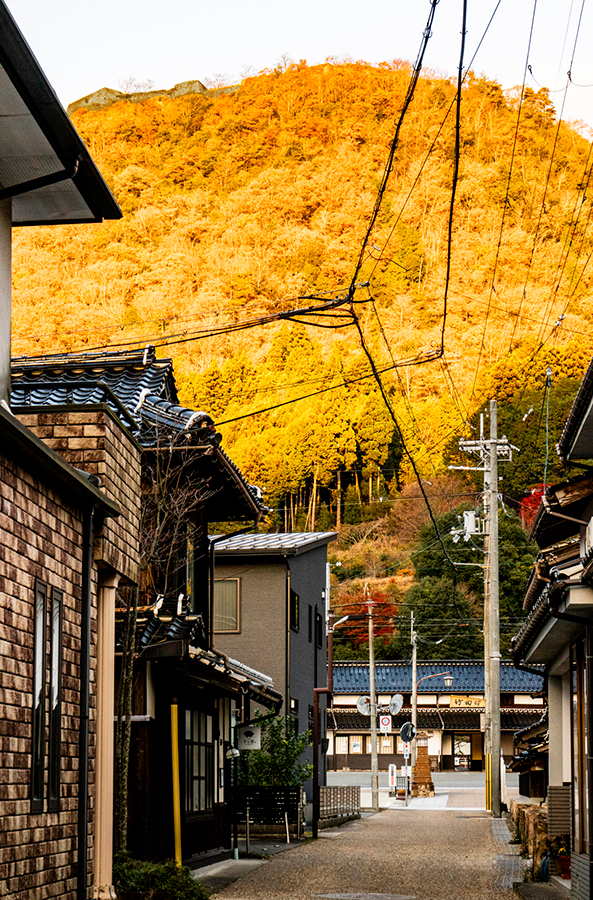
441,779
453,790
395,855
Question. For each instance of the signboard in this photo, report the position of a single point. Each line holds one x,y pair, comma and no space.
392,776
395,704
460,702
249,737
385,724
406,751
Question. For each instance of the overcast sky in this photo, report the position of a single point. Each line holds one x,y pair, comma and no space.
84,45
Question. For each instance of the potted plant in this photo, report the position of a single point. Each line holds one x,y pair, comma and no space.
559,850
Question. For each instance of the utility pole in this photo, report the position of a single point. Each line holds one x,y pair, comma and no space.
490,451
494,613
414,686
374,758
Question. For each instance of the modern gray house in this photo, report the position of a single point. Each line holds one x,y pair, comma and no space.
271,597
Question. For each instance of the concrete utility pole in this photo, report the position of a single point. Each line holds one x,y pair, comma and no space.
494,612
490,451
414,686
373,692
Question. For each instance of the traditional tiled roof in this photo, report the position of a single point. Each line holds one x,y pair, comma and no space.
574,431
140,390
340,719
468,677
144,386
273,544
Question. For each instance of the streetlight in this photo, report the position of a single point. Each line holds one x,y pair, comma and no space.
448,680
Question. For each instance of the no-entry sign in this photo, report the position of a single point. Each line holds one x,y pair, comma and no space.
385,724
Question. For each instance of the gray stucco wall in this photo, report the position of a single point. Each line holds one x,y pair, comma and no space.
261,642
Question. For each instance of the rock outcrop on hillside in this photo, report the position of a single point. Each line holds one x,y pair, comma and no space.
105,96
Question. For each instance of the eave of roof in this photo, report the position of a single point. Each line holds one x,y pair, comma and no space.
441,718
576,440
141,391
561,511
289,544
30,452
44,165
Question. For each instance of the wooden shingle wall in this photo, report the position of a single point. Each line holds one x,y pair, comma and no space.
40,537
91,439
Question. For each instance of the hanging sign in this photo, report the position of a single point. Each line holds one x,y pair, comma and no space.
385,724
249,737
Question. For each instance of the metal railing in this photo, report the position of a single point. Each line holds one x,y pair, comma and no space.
338,801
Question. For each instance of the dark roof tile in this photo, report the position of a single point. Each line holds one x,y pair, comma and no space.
468,677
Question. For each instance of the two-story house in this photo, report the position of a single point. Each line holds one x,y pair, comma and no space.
185,480
558,634
271,600
66,540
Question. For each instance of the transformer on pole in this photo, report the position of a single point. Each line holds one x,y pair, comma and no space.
490,450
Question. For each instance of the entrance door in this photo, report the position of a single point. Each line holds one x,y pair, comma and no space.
462,752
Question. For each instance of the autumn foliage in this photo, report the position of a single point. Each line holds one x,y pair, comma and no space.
239,204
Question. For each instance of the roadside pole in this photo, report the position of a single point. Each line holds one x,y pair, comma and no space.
494,623
414,687
490,451
374,758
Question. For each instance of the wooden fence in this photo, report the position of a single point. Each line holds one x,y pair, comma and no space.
335,802
268,805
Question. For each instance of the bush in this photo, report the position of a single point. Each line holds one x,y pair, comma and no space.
277,763
166,879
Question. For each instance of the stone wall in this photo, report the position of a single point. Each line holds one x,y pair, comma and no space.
40,537
531,826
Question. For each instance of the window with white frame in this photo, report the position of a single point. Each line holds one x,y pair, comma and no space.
226,605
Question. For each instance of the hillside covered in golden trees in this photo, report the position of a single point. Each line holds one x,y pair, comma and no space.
248,203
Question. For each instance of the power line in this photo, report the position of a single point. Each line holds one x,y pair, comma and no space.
506,200
389,165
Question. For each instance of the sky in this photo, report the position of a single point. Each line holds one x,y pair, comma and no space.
83,46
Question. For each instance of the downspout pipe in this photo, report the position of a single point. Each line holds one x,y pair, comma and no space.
316,695
85,680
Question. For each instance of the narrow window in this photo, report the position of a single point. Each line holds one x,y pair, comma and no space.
310,623
294,610
199,761
55,699
38,719
226,605
319,629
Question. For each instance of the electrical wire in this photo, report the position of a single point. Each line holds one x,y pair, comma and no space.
432,146
391,156
347,381
506,202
